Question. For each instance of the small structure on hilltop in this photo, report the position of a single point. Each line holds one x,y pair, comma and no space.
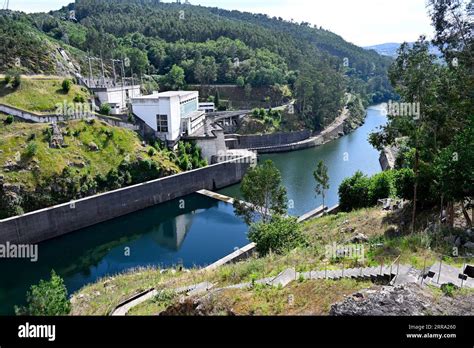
116,94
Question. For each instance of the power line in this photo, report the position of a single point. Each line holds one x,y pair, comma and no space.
6,4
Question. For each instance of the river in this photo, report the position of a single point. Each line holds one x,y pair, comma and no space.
192,231
343,157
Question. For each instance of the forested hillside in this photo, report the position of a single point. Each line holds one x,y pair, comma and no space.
172,45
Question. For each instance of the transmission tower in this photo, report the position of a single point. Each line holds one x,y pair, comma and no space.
6,4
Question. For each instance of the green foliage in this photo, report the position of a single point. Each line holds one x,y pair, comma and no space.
279,235
31,149
48,298
79,98
262,189
435,143
9,119
188,156
322,179
211,46
354,192
66,85
16,80
105,109
381,186
403,183
175,79
448,289
240,81
454,167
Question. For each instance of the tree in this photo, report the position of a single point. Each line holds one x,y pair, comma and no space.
175,79
105,109
455,170
48,298
16,82
240,81
444,92
354,192
217,100
281,234
263,194
66,85
322,180
210,70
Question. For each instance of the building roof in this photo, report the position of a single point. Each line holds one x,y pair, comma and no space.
175,94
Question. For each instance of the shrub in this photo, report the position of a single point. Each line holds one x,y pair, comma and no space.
381,186
280,235
13,78
16,80
79,98
48,298
354,192
448,289
31,149
403,181
9,119
151,152
105,109
240,81
66,85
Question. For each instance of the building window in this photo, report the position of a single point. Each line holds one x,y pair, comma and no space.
162,123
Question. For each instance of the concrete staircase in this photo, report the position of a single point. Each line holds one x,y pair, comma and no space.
395,274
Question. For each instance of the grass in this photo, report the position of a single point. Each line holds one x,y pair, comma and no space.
298,298
310,297
39,95
114,143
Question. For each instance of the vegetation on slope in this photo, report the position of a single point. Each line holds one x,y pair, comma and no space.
41,95
310,297
95,157
171,45
438,143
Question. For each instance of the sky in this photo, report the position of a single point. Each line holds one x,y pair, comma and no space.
363,22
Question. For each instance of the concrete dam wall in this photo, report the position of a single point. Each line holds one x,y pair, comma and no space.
55,221
265,140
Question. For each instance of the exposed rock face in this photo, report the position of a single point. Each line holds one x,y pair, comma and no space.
93,147
408,299
57,139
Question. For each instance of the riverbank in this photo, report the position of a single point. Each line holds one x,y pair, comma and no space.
343,156
310,296
56,221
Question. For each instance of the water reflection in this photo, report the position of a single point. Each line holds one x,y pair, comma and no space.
196,230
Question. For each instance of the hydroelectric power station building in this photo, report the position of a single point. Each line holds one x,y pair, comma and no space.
170,115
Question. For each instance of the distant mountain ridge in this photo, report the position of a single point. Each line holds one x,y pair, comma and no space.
390,49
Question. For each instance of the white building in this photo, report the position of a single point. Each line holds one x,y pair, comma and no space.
207,107
117,97
115,94
170,114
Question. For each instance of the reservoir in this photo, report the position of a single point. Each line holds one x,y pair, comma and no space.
343,157
192,231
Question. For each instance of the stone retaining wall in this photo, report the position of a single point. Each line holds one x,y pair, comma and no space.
40,118
55,221
265,140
